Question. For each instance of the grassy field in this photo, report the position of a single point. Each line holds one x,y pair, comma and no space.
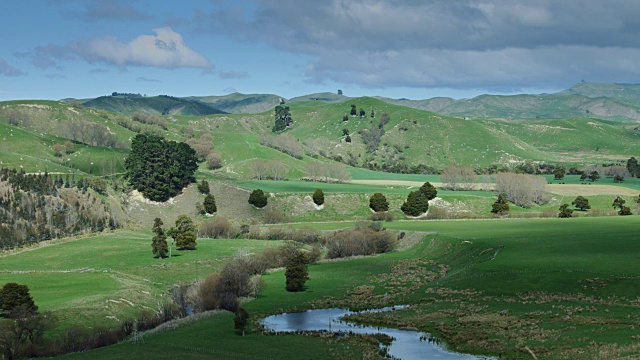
563,288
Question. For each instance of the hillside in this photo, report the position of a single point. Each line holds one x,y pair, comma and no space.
154,105
237,103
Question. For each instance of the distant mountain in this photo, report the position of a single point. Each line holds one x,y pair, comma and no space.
153,105
237,103
619,102
325,96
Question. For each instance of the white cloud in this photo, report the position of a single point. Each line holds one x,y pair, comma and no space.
165,49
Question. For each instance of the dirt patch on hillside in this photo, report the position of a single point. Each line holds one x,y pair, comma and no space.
587,190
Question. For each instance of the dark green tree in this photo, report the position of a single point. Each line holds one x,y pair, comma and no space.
345,132
297,272
203,187
347,139
362,113
159,242
501,206
158,168
618,202
378,202
565,211
258,198
429,191
416,204
625,211
184,233
594,176
282,117
241,319
583,176
618,178
318,197
13,296
354,112
558,173
373,113
581,203
345,118
209,204
632,167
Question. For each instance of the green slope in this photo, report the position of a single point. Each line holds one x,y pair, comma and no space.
154,105
237,103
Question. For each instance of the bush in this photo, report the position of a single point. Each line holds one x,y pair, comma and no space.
378,202
217,228
203,187
273,217
359,242
381,216
318,197
258,198
214,160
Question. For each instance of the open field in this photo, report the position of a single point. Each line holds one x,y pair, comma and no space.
564,288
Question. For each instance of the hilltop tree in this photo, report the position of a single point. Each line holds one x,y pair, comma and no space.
501,206
594,176
378,202
258,198
318,197
565,211
158,168
203,187
209,204
354,112
429,191
184,233
159,242
241,319
14,296
558,173
297,272
416,204
581,203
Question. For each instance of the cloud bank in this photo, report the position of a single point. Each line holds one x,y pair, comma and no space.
443,43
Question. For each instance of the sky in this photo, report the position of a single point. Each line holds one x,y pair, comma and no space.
417,49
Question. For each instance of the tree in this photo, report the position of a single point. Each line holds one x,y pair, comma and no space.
282,117
429,191
258,198
58,149
558,173
362,113
318,197
339,92
594,176
241,319
68,147
618,178
345,132
347,139
581,203
14,296
378,202
416,204
159,242
184,233
209,204
565,211
618,203
583,176
373,114
345,118
203,187
297,272
158,168
354,112
632,167
501,206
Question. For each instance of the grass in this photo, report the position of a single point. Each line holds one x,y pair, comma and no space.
561,287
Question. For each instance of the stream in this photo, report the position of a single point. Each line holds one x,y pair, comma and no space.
406,345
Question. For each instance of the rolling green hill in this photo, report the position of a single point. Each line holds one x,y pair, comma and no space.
154,105
237,103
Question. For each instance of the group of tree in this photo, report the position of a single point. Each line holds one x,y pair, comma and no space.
282,118
284,143
593,176
203,145
67,148
633,167
268,169
522,189
159,168
328,173
209,203
457,177
183,235
150,120
417,202
618,203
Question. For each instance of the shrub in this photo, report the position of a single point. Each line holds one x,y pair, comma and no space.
359,242
273,217
378,202
318,197
217,228
381,216
214,160
258,198
501,206
203,187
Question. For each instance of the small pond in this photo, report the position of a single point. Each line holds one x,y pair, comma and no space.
407,344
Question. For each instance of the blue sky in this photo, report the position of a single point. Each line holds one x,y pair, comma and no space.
53,49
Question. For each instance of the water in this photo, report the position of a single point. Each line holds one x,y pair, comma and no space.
407,344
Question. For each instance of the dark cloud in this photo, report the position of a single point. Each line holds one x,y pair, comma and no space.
233,74
7,69
443,43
